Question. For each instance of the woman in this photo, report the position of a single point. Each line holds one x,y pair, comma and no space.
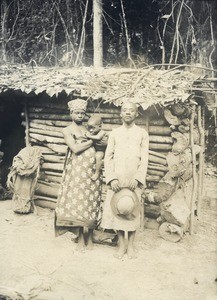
79,196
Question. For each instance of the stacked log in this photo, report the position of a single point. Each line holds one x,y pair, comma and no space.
169,162
157,167
176,190
46,122
45,130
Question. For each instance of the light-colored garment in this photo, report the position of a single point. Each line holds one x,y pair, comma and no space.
126,158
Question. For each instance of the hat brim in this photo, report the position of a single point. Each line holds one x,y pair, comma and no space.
136,209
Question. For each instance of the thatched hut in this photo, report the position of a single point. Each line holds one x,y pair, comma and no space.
171,109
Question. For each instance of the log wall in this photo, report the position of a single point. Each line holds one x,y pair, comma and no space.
46,121
170,152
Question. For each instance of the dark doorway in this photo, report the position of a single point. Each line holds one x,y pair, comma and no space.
12,133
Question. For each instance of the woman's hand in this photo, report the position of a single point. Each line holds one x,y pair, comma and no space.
88,135
115,185
103,142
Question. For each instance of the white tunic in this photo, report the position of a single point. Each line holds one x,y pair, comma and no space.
126,158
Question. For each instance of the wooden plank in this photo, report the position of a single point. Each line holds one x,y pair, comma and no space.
58,149
47,139
158,160
155,172
158,167
51,122
46,127
160,139
53,158
158,146
46,132
51,110
159,130
159,122
46,190
52,166
53,173
50,178
44,202
49,117
67,117
157,154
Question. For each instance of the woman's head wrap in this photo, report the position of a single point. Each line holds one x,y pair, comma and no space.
77,104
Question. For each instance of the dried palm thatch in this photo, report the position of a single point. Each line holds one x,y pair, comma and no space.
144,86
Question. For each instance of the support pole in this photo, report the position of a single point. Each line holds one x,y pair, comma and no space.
194,189
27,140
201,163
142,215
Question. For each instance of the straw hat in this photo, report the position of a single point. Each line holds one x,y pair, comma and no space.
125,204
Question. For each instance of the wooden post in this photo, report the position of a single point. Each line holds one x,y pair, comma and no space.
194,189
97,34
142,215
27,140
201,163
4,29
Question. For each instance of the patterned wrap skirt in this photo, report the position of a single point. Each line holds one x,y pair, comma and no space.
79,196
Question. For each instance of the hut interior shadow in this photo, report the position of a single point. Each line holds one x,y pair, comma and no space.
12,133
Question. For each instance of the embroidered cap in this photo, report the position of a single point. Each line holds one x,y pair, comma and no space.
77,104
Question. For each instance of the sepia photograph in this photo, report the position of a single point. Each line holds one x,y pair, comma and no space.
108,138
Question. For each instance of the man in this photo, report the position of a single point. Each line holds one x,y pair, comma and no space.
126,161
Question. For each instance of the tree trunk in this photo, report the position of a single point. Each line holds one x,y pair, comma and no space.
97,34
3,22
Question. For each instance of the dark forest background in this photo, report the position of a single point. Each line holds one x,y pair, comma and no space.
135,32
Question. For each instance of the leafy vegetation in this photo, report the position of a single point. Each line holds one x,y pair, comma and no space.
135,32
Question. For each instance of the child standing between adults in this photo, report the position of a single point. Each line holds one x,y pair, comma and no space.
126,161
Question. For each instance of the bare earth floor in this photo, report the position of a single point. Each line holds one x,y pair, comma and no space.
35,263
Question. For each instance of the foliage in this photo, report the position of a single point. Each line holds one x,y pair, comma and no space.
59,32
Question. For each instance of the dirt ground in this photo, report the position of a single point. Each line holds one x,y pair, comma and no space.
39,266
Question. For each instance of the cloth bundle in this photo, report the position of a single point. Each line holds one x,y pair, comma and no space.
22,178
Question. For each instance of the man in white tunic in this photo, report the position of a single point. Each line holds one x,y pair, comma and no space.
126,161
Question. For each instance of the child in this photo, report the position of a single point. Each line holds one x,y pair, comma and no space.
94,126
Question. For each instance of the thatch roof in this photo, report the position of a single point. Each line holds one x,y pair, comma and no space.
114,85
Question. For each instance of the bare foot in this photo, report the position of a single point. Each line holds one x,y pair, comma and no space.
80,248
95,176
135,249
131,253
120,252
90,244
81,245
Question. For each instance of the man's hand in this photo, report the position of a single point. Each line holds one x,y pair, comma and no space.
133,184
115,186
